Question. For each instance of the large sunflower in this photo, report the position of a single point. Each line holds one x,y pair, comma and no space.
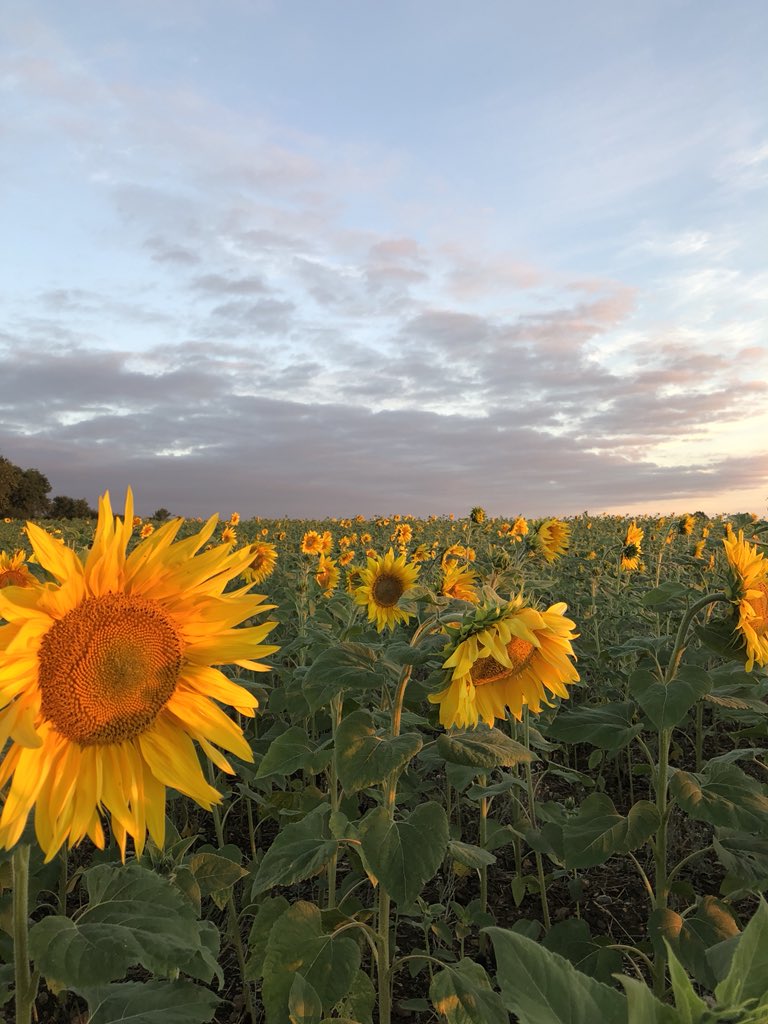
107,678
749,588
506,656
553,537
384,581
630,553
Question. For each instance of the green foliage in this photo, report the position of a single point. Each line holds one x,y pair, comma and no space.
462,994
300,851
364,757
405,854
482,748
599,831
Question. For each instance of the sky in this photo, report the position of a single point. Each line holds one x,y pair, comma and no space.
317,258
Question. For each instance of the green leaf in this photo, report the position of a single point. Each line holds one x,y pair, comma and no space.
134,916
462,994
215,875
266,915
690,937
304,1004
470,856
359,1002
723,795
289,752
344,666
666,596
482,748
598,831
743,856
365,759
151,1002
572,939
689,1006
543,988
748,976
608,726
643,1007
297,945
666,705
404,855
299,851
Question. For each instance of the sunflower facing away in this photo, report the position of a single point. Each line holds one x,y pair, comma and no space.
384,581
748,571
107,678
327,575
630,553
506,656
553,537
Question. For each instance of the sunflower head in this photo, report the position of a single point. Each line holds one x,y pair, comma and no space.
384,582
685,525
327,575
553,537
312,543
519,528
477,515
503,657
262,563
747,587
110,679
14,571
630,553
459,582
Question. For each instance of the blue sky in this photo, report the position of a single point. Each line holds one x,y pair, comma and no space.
315,258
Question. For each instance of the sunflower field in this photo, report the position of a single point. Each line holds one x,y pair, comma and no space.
467,770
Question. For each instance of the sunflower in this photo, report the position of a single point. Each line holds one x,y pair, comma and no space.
519,528
403,534
748,571
553,536
228,535
346,557
326,543
384,581
506,656
630,553
685,526
698,549
107,677
477,515
312,543
234,519
14,571
354,578
262,564
459,583
327,575
146,530
456,553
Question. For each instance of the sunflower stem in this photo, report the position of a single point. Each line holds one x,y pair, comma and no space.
532,816
26,982
333,787
482,839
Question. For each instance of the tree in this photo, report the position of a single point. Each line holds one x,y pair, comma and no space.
9,477
64,507
29,497
162,514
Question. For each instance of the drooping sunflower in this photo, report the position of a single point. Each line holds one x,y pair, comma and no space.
384,581
553,536
107,680
630,553
748,572
14,571
312,543
327,575
506,656
263,562
457,553
459,582
685,526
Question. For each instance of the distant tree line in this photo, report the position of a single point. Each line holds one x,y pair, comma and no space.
24,495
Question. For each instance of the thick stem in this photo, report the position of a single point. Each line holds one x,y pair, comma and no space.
333,787
660,851
26,983
532,816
